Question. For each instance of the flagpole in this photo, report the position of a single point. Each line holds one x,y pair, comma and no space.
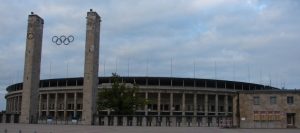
67,69
116,65
171,67
194,70
147,67
128,67
248,73
50,70
104,68
215,66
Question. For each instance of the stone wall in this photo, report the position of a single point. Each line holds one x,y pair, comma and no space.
262,113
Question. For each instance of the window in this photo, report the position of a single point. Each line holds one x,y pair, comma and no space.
166,107
272,100
256,100
230,108
177,107
290,100
154,107
221,108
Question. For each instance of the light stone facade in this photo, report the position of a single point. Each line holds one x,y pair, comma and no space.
206,102
91,67
32,66
269,109
186,104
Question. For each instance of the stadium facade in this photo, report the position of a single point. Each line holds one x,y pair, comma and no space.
174,101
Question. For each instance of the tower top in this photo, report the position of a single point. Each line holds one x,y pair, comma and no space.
93,13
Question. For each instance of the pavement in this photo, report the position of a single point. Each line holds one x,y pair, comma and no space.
41,128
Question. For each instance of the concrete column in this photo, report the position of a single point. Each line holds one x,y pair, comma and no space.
17,104
11,105
40,105
146,106
124,121
65,106
47,106
154,121
115,121
91,66
217,104
158,103
134,121
206,104
144,121
214,121
75,103
235,111
226,104
12,117
14,104
7,105
20,104
31,78
184,121
195,104
163,121
105,121
194,121
183,104
171,103
4,118
55,105
173,121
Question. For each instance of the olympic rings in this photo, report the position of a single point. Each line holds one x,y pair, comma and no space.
62,40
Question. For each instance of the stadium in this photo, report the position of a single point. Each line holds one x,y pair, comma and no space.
210,102
175,101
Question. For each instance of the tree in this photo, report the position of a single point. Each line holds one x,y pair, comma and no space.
120,98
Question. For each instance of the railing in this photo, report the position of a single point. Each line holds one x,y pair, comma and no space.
138,120
186,121
59,121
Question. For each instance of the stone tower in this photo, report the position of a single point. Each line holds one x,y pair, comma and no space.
31,79
91,65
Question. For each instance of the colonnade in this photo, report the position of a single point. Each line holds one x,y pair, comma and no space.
67,105
187,103
60,105
13,105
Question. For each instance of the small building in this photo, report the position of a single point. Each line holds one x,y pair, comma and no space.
269,109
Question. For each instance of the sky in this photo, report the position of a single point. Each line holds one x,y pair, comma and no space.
255,41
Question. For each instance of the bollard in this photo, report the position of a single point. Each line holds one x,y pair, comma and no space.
34,132
5,130
20,131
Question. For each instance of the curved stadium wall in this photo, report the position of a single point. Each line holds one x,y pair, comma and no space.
62,98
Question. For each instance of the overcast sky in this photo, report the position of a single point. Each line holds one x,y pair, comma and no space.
244,40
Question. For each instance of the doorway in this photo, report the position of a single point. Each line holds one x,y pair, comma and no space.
290,120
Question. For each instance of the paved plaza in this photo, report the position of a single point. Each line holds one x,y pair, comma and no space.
40,128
